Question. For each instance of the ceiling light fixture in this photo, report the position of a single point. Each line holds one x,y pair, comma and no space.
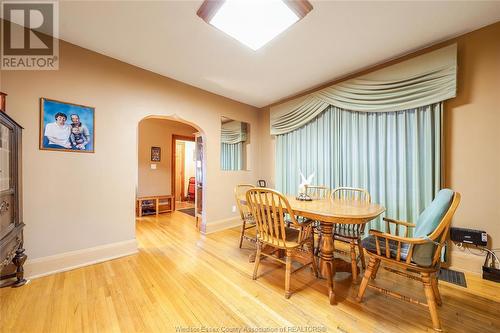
253,22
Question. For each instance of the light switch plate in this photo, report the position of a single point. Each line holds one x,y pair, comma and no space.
153,166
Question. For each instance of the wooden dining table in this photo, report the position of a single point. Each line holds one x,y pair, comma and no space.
329,212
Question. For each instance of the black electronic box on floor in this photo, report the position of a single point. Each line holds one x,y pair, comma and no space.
491,270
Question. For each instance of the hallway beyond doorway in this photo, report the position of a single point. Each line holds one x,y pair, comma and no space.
183,205
183,161
172,171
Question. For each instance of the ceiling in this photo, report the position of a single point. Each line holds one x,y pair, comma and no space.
333,40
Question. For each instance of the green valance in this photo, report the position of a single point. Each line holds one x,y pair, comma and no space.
423,80
233,132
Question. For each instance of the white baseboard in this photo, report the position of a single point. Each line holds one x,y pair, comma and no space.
466,262
222,225
70,260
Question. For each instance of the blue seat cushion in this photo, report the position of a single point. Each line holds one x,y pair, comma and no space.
369,244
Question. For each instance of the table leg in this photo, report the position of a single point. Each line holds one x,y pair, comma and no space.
157,206
140,208
326,260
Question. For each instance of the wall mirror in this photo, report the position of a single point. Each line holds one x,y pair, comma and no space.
234,140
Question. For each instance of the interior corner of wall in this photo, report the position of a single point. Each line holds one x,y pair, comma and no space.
219,225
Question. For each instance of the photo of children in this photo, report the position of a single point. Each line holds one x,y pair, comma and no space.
66,126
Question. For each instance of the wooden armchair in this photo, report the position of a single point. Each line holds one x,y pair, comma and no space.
420,254
246,216
269,208
351,233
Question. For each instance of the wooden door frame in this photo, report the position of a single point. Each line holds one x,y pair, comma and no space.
175,138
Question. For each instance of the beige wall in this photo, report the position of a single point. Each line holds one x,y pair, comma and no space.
77,201
157,133
471,136
267,148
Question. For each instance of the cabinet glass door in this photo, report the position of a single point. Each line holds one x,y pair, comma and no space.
6,183
5,158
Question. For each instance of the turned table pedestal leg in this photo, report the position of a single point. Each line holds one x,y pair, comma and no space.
326,260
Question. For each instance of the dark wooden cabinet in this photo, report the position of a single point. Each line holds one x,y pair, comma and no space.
12,256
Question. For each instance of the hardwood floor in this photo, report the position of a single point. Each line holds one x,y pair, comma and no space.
180,278
183,204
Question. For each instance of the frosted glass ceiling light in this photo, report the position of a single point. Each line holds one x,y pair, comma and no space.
253,22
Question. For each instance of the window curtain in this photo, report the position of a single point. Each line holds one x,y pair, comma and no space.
396,156
414,83
231,156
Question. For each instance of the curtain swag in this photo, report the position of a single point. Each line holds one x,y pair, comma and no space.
234,135
427,87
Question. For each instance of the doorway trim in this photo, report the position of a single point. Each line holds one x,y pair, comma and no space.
175,138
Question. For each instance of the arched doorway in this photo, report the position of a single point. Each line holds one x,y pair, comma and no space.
171,168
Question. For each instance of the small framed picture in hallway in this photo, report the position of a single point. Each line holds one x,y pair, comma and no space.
66,126
155,154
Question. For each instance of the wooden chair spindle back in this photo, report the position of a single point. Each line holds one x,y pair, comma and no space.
351,194
239,193
269,208
317,192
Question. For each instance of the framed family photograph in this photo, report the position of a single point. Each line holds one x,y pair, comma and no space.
66,126
155,154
